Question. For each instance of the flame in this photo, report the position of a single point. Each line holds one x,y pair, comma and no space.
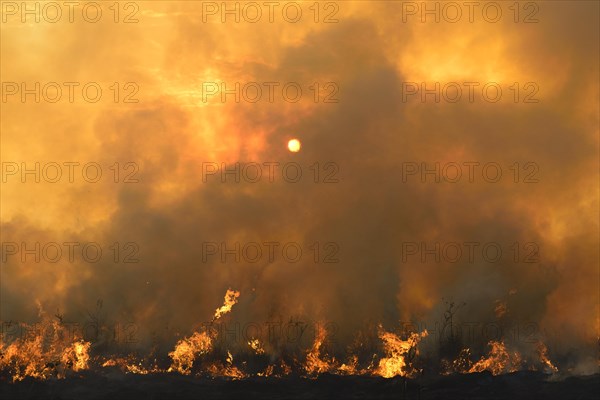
42,356
351,368
186,351
542,351
395,363
498,361
130,365
77,355
256,346
315,364
228,370
284,369
462,364
111,362
230,300
268,372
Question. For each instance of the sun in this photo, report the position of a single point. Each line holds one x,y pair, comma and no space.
294,145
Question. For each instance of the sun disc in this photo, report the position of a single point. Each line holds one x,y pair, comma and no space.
294,145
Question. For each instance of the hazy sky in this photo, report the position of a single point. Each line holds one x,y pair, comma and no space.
368,132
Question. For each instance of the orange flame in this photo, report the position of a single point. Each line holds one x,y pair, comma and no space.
228,370
395,363
498,361
542,351
186,351
315,364
256,346
130,365
350,368
42,356
230,300
77,355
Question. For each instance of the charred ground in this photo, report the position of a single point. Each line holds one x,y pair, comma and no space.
112,383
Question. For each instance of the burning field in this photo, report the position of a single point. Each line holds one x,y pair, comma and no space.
300,199
54,363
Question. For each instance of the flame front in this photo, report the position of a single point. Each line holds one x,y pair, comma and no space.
77,355
397,350
315,363
542,351
187,349
42,355
498,361
228,370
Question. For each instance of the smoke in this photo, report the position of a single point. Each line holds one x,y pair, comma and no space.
363,219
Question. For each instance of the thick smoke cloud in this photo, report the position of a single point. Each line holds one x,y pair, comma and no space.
369,134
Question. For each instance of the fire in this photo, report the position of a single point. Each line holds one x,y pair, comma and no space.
275,370
542,351
228,370
462,364
397,350
43,355
230,300
256,346
77,355
186,351
26,358
130,365
498,361
268,372
200,343
47,352
315,364
350,368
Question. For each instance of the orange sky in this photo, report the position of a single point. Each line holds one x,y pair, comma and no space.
365,53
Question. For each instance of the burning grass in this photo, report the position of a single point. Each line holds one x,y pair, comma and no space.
55,354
